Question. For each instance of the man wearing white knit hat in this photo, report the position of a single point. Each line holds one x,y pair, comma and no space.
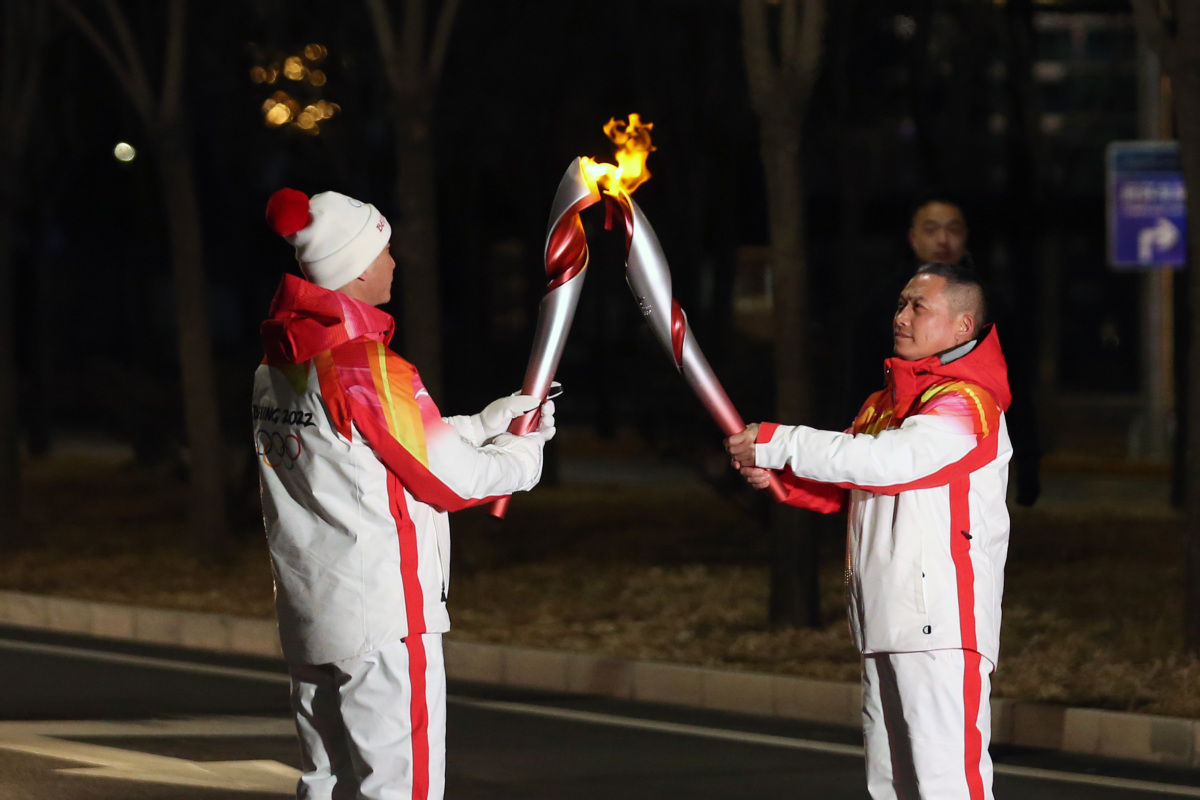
358,470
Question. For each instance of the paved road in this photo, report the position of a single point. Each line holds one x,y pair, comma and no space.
81,719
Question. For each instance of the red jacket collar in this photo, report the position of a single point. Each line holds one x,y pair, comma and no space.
983,366
307,319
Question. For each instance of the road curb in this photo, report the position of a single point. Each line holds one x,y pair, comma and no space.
1169,741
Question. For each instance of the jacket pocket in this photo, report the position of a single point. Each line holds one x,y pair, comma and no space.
920,591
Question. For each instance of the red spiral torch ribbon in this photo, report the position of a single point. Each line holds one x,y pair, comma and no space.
566,259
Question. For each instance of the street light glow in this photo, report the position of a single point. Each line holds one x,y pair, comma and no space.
124,151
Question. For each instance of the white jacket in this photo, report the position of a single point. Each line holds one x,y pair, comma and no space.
922,474
357,471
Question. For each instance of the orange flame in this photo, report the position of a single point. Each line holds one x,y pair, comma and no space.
633,148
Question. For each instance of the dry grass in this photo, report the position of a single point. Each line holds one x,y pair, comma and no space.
1092,608
113,532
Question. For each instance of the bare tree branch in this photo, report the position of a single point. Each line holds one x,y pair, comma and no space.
802,42
26,93
133,57
412,47
24,34
1148,20
802,25
173,61
811,29
8,77
441,38
759,69
382,23
403,54
789,32
141,102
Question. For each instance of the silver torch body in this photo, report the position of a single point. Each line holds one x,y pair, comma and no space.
566,260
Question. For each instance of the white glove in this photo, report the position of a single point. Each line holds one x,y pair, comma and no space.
481,428
526,450
497,415
545,428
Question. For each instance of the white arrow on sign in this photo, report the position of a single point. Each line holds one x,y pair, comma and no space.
1163,235
130,765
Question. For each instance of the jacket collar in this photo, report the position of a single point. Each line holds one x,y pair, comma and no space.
982,364
306,319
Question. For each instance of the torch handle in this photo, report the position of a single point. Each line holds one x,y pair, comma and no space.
537,383
700,376
730,423
555,314
519,427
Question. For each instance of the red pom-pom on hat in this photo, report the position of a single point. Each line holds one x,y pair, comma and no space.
287,211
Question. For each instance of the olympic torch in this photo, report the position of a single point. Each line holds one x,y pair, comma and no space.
649,278
566,259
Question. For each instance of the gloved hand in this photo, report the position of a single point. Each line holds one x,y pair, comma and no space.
545,428
498,414
481,428
527,450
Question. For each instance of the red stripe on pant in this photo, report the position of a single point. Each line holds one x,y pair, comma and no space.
419,716
973,742
960,551
414,603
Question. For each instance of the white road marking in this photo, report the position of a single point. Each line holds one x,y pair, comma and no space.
811,745
661,727
1130,784
150,662
194,727
258,775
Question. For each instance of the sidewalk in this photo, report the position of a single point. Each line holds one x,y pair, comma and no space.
1108,734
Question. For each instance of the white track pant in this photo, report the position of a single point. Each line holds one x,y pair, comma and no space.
374,727
927,721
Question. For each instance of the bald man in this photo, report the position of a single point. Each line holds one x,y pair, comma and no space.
922,474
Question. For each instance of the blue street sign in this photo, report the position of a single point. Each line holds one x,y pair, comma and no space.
1147,206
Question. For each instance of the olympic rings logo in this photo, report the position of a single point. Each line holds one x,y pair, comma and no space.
277,449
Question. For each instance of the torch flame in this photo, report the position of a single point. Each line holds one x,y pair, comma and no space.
633,147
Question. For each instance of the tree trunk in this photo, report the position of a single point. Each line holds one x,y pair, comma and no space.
1186,89
206,518
781,155
23,28
794,597
1027,214
416,238
412,56
1173,31
10,459
780,81
163,118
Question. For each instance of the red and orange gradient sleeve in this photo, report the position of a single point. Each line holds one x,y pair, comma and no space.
366,384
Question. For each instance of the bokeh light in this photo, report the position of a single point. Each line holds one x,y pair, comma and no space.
282,110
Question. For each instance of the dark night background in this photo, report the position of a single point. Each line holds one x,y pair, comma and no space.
911,98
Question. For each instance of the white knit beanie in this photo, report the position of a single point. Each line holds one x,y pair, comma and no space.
336,237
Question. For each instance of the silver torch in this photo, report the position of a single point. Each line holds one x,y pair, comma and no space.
566,259
649,277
